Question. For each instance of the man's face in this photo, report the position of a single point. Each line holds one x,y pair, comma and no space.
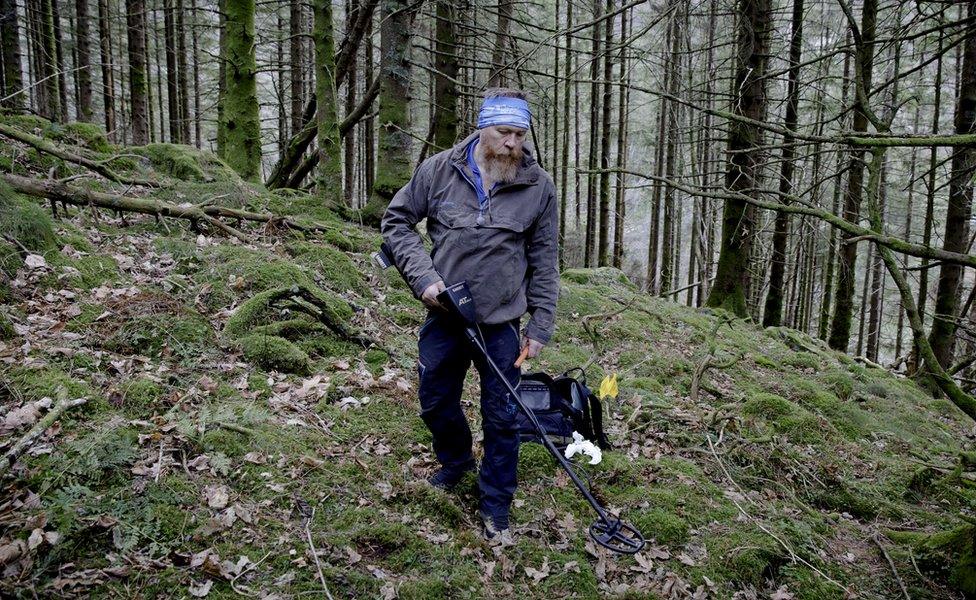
503,141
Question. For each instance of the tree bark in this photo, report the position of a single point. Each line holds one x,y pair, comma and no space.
499,75
197,116
60,65
394,157
956,237
136,20
10,54
606,104
83,65
592,178
329,174
243,127
445,125
742,167
181,76
564,150
772,314
840,328
295,51
172,95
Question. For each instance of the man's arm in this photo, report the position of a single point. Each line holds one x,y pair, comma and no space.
409,207
542,254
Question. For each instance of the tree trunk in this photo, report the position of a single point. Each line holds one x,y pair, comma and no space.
296,66
908,232
329,173
197,117
243,128
445,125
10,55
83,62
136,20
772,314
48,61
742,166
564,168
956,238
60,66
172,95
222,78
107,67
369,128
499,71
158,61
606,104
394,164
623,100
840,328
592,178
877,285
181,77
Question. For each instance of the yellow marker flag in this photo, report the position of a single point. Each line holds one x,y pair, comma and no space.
608,387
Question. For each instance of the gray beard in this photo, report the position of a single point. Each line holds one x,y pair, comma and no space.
498,170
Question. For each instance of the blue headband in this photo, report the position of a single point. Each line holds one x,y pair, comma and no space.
513,112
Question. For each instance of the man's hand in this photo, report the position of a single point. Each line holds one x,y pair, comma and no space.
429,296
533,346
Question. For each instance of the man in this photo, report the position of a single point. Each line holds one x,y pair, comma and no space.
492,216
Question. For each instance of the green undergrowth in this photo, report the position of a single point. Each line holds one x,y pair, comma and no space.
791,457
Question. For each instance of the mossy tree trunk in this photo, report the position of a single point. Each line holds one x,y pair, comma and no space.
10,54
956,239
393,160
603,244
840,327
328,179
241,122
773,312
83,61
445,126
742,167
138,106
221,79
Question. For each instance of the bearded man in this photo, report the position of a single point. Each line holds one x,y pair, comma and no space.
491,214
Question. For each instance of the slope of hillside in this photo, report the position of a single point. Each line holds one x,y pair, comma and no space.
249,427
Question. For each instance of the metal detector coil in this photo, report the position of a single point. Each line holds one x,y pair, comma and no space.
608,531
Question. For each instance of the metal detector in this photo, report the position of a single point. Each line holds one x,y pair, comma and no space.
608,531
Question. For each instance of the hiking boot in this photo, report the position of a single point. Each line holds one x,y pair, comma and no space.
446,479
496,530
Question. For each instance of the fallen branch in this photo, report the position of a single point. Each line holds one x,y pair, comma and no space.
891,564
36,431
59,191
311,546
47,147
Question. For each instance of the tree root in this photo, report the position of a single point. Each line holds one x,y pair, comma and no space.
36,431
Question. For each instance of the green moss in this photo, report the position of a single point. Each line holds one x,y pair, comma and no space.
25,222
839,383
802,360
748,555
273,353
292,329
141,397
262,308
88,272
186,335
333,266
535,463
186,163
39,382
10,259
805,584
86,135
951,552
6,328
607,276
784,417
660,525
339,240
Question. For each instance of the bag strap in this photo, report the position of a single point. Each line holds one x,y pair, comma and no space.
582,374
596,412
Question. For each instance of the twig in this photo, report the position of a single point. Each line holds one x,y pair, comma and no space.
793,555
318,565
244,571
891,563
36,431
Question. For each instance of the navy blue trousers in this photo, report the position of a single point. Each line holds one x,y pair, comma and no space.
445,355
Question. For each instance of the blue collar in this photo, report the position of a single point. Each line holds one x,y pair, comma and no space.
479,187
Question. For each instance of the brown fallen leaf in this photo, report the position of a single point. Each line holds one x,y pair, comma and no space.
201,590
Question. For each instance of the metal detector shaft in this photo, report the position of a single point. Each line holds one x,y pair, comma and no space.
473,336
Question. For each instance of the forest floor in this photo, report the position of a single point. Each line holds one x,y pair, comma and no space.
224,451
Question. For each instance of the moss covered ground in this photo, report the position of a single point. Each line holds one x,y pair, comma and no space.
218,445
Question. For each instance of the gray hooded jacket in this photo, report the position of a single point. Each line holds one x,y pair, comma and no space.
507,252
